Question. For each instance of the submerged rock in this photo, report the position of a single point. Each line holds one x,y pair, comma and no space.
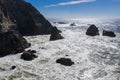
62,23
13,67
108,33
55,34
92,31
72,24
65,61
12,42
28,55
23,17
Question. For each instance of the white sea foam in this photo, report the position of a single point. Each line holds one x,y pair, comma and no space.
96,58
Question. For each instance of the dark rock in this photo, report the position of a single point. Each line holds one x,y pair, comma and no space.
65,61
62,23
23,17
92,31
55,29
13,67
54,22
66,55
29,44
55,34
43,48
28,56
72,24
12,42
1,29
31,51
108,33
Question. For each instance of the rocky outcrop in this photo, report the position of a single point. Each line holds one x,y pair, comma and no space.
92,31
108,33
23,17
65,61
28,55
12,42
55,34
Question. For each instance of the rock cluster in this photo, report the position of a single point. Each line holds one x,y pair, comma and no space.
18,18
93,31
11,42
28,55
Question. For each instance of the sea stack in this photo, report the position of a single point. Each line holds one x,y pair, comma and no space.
92,31
23,17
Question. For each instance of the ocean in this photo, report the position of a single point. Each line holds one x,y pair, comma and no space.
95,58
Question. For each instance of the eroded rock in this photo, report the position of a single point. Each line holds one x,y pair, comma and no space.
65,61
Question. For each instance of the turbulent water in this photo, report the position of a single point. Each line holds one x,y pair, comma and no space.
95,58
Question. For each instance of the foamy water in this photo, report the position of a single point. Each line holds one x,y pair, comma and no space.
95,58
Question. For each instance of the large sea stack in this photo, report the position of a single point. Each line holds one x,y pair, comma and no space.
23,17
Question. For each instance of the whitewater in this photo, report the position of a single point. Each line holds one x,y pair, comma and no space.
95,58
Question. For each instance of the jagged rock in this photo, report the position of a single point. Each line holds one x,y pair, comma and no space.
92,31
12,42
65,61
23,17
108,33
28,55
55,34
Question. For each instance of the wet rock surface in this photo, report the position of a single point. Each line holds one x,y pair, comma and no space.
13,67
12,42
65,61
55,34
108,33
92,31
28,55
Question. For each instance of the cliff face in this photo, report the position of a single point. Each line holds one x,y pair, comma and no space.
23,17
